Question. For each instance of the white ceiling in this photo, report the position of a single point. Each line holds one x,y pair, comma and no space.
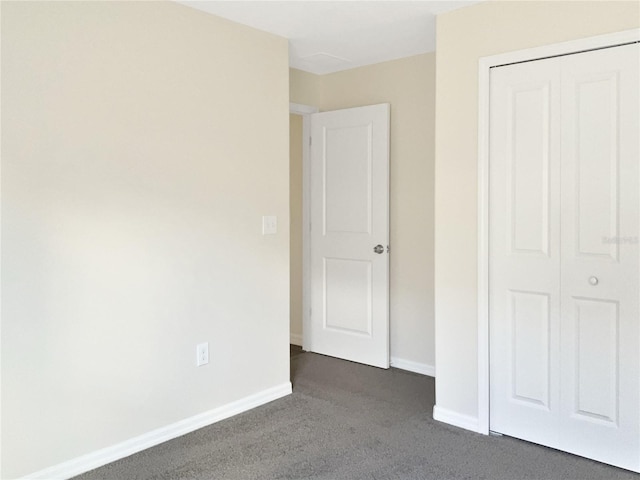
328,36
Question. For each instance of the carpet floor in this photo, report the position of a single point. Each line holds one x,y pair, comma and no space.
349,421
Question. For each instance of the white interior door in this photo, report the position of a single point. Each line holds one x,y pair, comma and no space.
350,235
564,254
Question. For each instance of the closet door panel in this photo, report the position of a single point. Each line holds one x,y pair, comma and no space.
525,251
600,340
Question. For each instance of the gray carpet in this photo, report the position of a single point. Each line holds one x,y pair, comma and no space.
349,421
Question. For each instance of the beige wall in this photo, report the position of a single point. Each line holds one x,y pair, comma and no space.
304,87
131,221
463,36
409,86
295,212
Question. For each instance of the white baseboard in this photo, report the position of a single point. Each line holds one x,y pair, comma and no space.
295,339
101,457
412,366
456,419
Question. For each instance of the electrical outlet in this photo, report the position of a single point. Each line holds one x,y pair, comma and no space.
269,225
202,351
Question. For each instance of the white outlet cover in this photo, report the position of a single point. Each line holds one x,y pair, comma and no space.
269,225
202,354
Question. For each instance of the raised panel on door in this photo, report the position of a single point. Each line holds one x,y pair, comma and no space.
528,137
600,260
347,296
524,252
597,348
594,98
349,217
530,322
347,185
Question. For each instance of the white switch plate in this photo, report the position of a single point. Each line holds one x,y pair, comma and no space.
269,225
202,352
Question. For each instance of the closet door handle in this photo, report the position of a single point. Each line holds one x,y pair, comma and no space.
593,281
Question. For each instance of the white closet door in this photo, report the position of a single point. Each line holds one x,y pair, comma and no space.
525,250
564,260
600,340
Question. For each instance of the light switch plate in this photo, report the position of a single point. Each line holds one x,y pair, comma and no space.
269,225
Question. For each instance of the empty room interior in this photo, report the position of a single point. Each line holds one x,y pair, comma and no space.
328,240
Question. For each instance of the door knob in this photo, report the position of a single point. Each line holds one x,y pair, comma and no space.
378,249
593,281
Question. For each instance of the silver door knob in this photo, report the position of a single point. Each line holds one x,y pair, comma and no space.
593,281
378,249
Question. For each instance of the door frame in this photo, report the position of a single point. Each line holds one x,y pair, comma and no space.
484,66
305,111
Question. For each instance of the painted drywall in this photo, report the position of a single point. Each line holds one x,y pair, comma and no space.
304,87
489,28
295,215
131,221
409,86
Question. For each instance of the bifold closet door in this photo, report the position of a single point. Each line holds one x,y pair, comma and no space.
525,251
564,260
600,329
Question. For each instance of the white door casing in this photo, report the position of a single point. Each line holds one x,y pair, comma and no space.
305,111
564,265
349,217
